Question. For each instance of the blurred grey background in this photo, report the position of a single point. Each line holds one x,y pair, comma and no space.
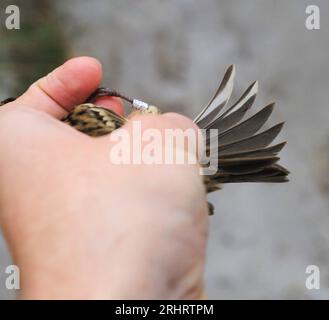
173,53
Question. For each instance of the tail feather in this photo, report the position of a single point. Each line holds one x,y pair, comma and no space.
235,113
246,167
246,128
222,124
262,152
220,98
260,140
272,173
244,155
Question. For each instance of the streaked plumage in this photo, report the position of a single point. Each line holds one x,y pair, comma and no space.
94,120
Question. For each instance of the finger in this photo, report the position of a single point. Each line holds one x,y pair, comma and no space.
112,103
66,86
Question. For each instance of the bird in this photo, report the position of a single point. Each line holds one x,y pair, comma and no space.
245,153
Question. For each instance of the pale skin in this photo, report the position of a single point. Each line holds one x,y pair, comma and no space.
80,227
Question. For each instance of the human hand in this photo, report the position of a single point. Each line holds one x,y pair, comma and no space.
79,226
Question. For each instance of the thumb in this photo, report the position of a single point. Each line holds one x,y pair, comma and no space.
66,86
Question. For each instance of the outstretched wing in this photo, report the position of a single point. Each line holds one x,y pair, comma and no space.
242,151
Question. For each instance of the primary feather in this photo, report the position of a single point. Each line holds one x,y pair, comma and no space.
243,152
